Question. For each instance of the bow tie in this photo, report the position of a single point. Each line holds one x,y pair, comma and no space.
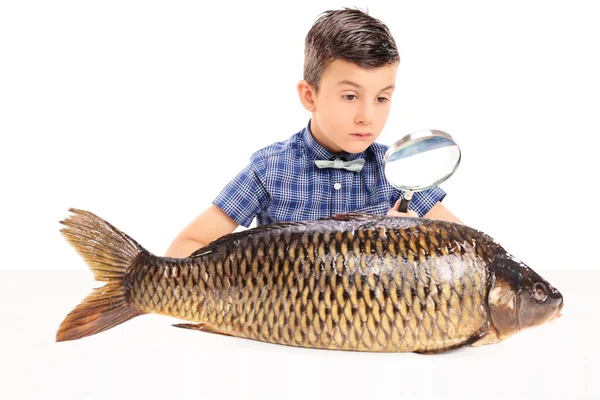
353,166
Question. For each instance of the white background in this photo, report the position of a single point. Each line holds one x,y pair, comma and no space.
142,111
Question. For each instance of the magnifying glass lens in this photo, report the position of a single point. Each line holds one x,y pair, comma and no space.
420,161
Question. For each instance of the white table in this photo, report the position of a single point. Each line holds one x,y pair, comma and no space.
147,358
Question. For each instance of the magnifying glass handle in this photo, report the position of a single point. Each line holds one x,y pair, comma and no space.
405,201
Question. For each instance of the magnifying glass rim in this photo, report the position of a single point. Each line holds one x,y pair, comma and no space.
410,138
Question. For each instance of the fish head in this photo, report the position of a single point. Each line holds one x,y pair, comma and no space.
519,298
540,302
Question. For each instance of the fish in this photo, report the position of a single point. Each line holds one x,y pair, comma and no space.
355,282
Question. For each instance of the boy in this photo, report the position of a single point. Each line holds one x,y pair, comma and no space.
350,68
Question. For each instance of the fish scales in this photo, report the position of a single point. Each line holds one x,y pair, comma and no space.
312,287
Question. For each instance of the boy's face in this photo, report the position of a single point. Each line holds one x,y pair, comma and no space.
352,105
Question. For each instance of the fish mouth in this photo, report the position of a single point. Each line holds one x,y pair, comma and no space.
557,316
558,313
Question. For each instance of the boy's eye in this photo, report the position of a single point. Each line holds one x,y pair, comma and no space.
349,97
382,99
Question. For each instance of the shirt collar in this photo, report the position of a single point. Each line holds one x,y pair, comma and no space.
317,152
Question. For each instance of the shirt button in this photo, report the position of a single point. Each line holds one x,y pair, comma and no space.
337,186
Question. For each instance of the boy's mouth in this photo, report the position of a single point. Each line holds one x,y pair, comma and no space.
361,134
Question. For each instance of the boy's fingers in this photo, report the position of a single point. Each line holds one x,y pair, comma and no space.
393,212
410,213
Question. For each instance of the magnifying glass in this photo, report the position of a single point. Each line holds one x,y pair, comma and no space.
420,161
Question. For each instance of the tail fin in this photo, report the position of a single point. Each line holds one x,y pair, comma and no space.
109,254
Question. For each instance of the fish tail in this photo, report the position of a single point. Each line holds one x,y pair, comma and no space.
109,253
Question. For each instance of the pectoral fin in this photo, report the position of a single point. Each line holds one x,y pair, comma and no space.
481,338
488,337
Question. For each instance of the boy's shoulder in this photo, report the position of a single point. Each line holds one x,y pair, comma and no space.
284,148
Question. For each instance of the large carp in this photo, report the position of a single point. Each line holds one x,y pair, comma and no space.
353,282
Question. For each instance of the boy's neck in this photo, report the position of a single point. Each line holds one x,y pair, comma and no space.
315,131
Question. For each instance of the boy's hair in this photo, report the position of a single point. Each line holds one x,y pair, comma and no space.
351,35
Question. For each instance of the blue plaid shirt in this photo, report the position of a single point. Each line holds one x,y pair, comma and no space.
282,183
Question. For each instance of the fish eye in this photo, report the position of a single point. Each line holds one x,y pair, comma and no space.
539,292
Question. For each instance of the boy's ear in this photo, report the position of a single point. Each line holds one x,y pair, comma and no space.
307,95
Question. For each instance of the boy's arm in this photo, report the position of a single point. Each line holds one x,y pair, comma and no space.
438,211
237,204
208,226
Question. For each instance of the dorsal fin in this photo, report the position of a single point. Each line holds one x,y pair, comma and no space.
238,235
355,216
363,221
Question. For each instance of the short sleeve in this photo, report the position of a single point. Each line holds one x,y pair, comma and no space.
424,201
243,197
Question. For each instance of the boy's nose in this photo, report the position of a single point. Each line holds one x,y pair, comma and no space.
365,115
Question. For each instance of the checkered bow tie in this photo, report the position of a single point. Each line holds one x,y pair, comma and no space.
353,166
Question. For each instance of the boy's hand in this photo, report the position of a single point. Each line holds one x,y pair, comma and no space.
393,212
